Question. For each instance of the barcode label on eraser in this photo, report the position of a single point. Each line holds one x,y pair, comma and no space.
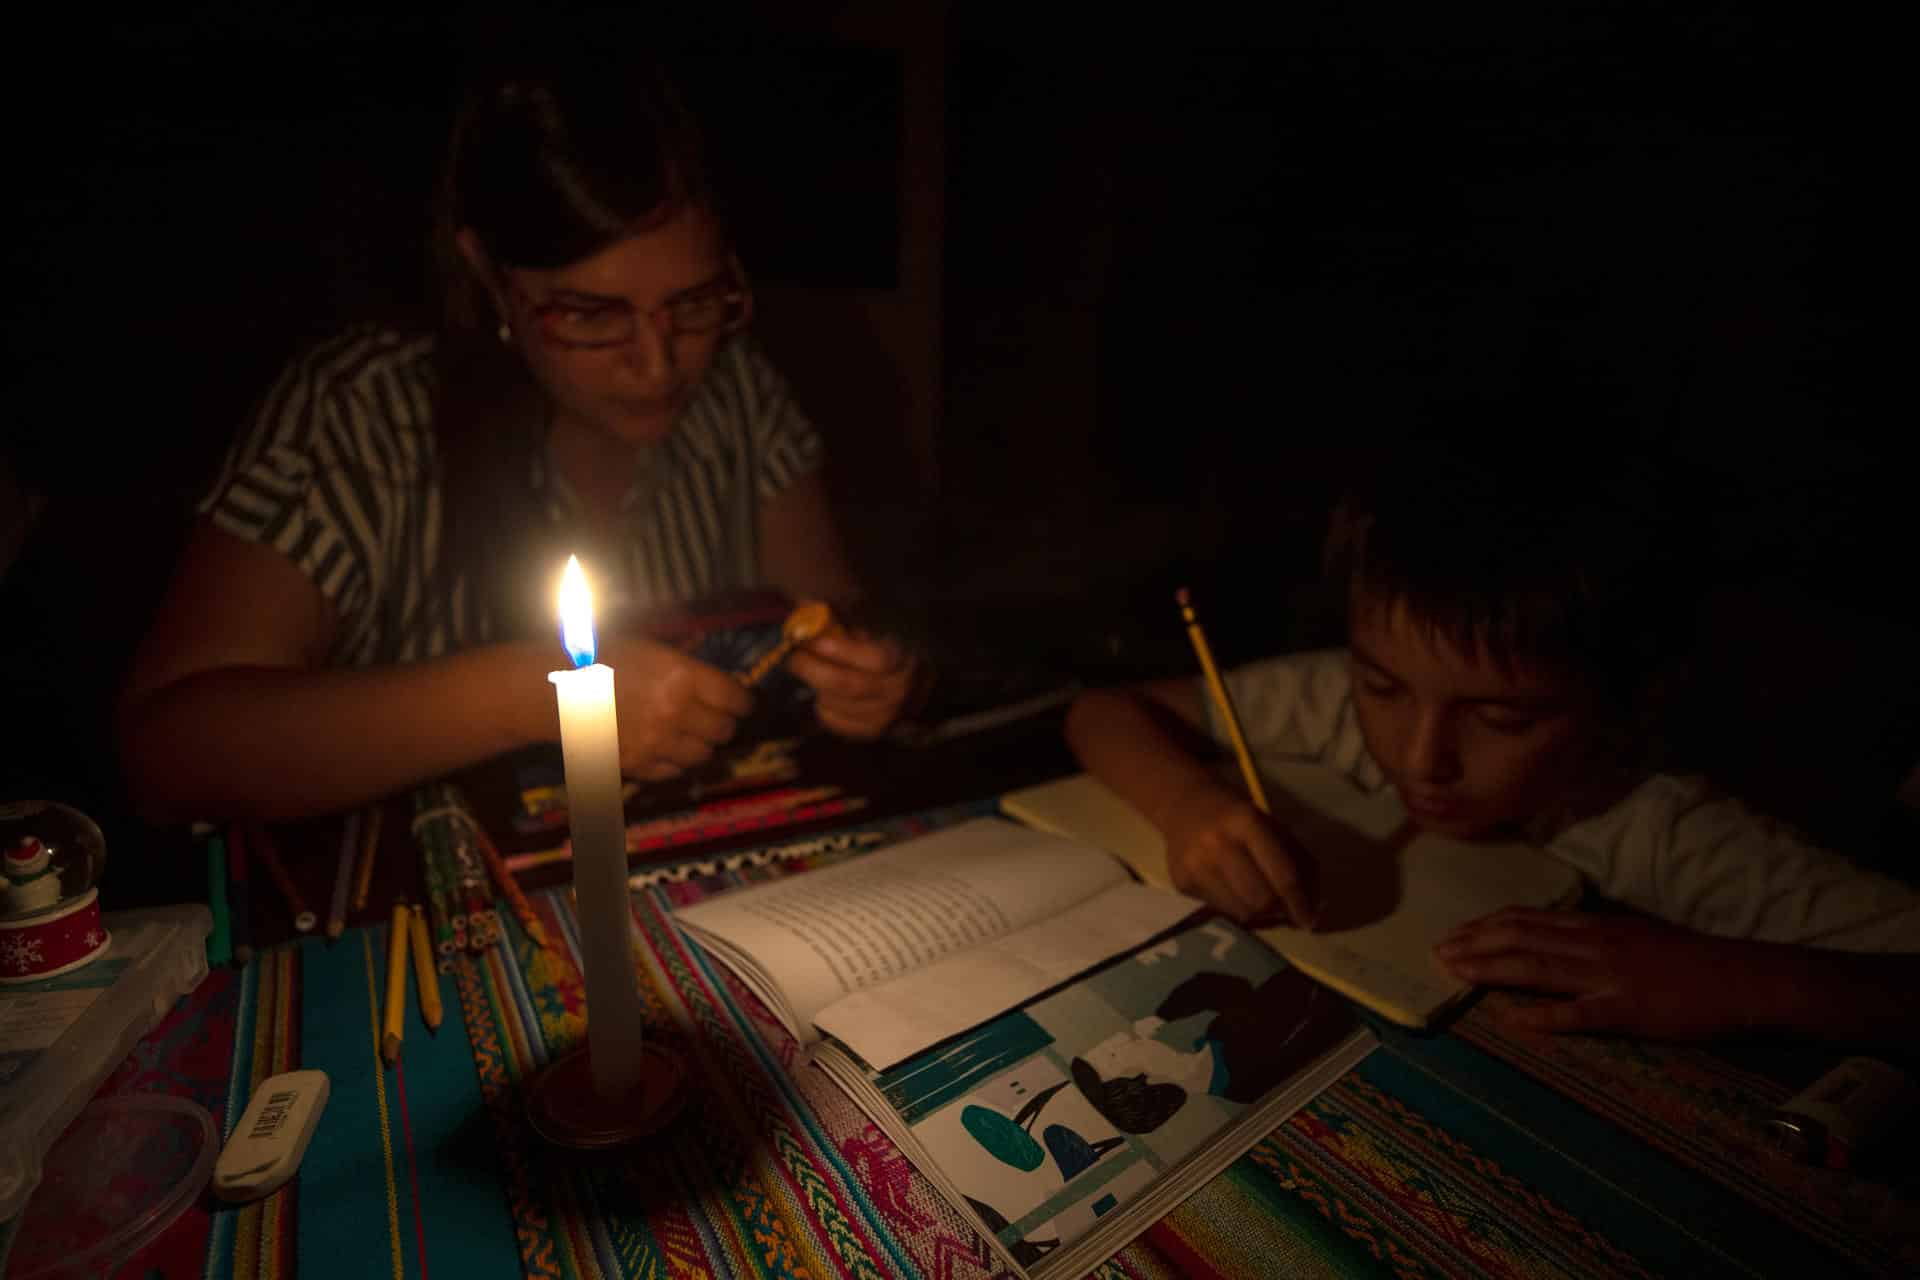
274,1114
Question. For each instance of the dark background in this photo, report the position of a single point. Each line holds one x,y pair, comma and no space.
1189,274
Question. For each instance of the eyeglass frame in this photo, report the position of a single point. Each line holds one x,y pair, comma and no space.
741,297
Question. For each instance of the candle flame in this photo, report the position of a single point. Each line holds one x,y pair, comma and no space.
576,614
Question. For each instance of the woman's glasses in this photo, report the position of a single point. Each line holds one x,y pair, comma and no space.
588,321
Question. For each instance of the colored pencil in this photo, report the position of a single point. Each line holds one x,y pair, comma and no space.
240,895
424,975
510,890
482,928
1222,702
220,940
303,919
394,1025
343,876
437,898
709,821
370,849
448,918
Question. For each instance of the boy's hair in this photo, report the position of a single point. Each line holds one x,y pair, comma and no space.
1527,551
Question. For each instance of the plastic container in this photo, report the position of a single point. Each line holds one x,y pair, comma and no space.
118,1177
61,1037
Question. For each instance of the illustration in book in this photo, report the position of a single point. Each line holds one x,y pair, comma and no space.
1049,1118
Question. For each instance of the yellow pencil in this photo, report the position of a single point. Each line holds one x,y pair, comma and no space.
396,1011
1218,688
424,975
369,846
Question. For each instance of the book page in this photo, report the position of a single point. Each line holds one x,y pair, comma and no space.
825,934
1391,892
897,1019
1073,1122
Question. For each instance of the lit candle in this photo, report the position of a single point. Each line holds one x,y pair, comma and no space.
590,745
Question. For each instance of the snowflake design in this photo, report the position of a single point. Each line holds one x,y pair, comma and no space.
19,954
94,938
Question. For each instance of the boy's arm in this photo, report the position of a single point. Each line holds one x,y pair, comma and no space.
1844,995
1649,978
1143,744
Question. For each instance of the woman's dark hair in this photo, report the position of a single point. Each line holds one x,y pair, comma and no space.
1545,539
559,150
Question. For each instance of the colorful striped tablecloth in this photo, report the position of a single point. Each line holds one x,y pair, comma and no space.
1470,1154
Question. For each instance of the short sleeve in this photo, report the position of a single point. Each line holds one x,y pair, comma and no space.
786,444
1299,707
310,479
1677,849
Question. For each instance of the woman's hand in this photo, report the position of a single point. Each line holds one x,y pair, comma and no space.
674,710
1618,974
860,681
1243,863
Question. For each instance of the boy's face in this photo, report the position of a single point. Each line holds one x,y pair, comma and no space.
1474,751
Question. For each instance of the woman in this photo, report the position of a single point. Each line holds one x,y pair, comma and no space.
367,600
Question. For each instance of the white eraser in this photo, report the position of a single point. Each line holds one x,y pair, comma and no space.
272,1135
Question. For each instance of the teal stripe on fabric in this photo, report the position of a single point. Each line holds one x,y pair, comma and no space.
467,1216
343,1186
343,1181
221,1227
1672,1220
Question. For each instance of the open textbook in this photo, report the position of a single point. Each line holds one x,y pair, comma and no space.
1064,1052
1390,894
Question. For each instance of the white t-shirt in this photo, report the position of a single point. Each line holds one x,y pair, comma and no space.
1673,847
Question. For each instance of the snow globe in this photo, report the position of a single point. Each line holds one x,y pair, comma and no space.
51,858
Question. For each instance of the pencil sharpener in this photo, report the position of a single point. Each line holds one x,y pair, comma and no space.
51,860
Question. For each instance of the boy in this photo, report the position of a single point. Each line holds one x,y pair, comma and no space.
1512,630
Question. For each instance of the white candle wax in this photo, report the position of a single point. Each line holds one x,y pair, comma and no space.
590,745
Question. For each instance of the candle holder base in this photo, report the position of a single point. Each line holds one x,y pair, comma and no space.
564,1109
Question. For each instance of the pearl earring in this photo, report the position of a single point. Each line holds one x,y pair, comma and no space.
505,333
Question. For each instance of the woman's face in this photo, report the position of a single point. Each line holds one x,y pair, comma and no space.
633,390
1472,749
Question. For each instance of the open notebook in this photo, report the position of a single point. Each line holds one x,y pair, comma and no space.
1390,894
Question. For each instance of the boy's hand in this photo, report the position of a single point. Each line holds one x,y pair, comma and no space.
1631,976
1223,849
860,681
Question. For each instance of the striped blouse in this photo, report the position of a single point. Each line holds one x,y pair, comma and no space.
337,472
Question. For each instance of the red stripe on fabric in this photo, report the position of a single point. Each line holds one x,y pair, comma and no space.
1181,1257
413,1174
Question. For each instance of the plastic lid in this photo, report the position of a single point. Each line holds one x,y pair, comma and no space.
121,1173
